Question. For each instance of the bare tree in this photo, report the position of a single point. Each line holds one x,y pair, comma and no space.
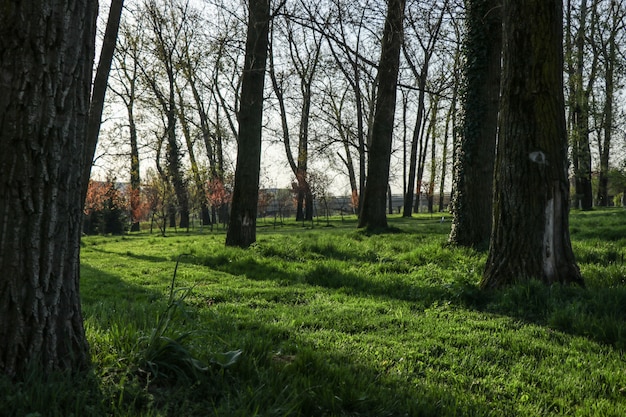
166,24
427,47
609,41
579,96
125,87
100,83
304,47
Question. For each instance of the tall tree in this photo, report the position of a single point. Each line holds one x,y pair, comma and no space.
166,23
347,48
475,150
47,54
580,93
304,57
531,189
609,53
421,75
373,215
242,226
100,83
127,74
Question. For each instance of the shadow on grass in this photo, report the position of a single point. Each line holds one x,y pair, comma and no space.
319,380
99,287
130,254
331,277
597,313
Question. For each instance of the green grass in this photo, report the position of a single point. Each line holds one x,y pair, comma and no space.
331,321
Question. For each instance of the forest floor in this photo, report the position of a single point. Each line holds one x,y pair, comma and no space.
322,319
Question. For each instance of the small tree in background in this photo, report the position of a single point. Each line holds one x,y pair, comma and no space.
265,198
219,196
283,198
320,188
106,209
159,197
139,207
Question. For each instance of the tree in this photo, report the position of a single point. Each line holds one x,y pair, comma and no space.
106,208
304,58
242,225
421,75
373,215
165,22
100,83
47,55
609,51
475,150
530,236
348,48
580,93
127,70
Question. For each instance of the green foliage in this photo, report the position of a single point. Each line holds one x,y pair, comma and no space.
335,322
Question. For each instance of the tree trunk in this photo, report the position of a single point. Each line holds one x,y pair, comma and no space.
450,126
242,225
373,214
433,152
581,150
135,176
409,194
135,179
609,54
47,56
531,228
475,150
96,105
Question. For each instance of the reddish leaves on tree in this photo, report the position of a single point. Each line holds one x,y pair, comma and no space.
101,195
139,205
216,193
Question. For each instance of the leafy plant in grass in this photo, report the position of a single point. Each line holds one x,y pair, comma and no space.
165,353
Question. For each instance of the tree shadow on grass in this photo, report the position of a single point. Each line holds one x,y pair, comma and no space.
321,380
597,313
311,379
132,254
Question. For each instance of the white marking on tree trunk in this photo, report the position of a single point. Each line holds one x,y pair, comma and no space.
538,157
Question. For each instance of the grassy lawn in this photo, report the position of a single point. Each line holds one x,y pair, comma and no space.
325,320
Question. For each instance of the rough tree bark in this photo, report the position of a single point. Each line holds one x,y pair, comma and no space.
373,214
531,189
242,226
47,50
475,150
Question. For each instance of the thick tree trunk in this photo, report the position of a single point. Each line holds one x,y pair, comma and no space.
47,55
531,236
373,214
475,151
242,225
